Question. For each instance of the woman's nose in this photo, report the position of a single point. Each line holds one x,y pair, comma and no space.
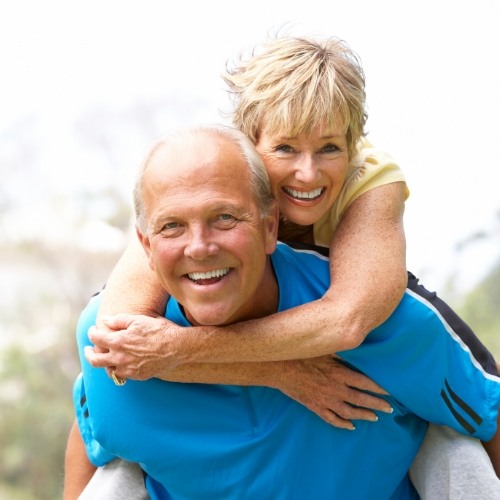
306,169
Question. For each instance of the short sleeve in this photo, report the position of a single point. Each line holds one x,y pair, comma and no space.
370,168
97,455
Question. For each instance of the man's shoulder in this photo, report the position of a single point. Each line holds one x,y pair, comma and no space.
300,258
87,318
303,273
299,247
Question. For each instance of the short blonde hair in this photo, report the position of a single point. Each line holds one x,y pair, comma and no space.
293,85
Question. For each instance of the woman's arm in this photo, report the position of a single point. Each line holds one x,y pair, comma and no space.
368,269
150,347
78,470
132,286
324,386
368,261
369,279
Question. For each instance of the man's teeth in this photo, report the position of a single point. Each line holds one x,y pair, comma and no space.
303,195
216,273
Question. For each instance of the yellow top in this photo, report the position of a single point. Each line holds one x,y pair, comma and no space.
369,169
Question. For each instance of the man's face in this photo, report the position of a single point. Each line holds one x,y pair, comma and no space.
206,239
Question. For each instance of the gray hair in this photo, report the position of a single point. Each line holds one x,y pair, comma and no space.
260,184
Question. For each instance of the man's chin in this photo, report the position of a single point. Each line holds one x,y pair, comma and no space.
210,317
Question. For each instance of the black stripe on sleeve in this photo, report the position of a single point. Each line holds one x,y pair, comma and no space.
460,327
457,415
462,404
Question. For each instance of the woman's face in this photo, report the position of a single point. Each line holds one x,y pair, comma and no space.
306,171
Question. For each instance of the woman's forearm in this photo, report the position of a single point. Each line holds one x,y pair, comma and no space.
324,386
369,278
368,281
133,286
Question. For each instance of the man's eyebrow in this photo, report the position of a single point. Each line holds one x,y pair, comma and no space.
210,210
226,207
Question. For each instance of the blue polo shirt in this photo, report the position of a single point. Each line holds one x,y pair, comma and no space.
200,441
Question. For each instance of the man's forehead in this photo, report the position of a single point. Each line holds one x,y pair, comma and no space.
197,151
195,167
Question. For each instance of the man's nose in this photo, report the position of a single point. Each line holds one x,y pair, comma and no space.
306,169
200,245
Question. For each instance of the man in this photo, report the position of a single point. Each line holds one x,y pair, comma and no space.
207,222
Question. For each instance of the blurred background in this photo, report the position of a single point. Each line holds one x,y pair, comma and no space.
86,87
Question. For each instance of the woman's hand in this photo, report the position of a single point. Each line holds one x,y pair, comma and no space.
134,346
332,391
142,347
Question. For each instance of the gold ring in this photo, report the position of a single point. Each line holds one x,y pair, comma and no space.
116,380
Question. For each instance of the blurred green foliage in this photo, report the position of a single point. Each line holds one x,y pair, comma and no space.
39,361
36,415
481,309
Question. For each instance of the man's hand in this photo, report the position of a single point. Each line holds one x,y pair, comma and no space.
135,347
332,391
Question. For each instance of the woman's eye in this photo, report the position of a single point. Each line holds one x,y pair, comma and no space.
329,148
284,148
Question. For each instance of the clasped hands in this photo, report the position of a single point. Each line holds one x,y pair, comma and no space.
142,347
134,346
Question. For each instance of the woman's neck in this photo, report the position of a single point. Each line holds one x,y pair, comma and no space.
289,231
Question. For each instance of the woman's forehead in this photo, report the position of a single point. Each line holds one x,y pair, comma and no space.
318,130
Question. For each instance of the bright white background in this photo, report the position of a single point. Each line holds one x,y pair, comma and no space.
432,83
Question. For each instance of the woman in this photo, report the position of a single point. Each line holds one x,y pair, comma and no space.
302,103
329,182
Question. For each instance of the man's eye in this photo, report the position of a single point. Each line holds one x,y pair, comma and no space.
170,225
225,221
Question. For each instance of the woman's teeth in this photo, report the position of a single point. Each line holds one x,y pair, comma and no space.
304,195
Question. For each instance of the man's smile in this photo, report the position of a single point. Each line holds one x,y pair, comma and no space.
208,277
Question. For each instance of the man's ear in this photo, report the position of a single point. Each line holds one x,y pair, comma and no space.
146,244
271,223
